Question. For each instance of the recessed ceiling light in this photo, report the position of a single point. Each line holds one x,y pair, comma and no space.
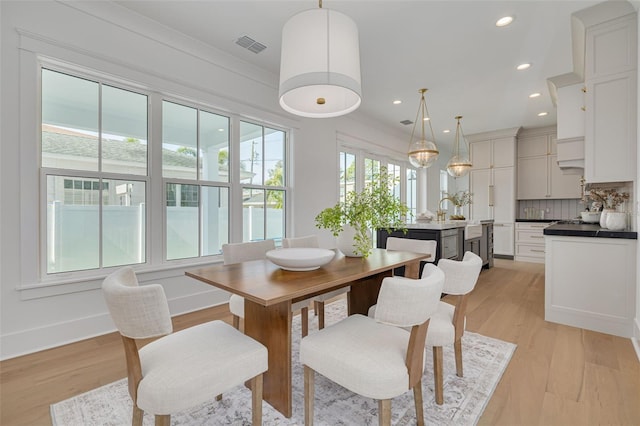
446,131
426,119
523,66
221,130
397,102
504,21
542,114
534,95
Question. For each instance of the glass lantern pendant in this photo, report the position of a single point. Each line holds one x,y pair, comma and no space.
459,164
422,152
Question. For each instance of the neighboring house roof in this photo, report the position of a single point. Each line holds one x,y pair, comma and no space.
78,145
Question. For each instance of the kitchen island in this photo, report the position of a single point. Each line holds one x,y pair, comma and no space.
590,277
454,237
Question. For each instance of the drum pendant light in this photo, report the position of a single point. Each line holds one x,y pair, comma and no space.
459,164
422,153
320,64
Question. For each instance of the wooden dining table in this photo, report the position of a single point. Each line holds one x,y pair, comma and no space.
269,292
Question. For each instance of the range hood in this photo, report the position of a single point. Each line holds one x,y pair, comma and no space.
571,155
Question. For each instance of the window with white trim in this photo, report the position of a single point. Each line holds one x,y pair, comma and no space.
348,171
263,180
97,166
94,168
195,168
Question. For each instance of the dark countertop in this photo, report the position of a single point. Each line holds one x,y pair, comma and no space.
587,230
538,220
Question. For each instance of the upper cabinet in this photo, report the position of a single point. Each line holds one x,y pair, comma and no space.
597,101
611,47
570,110
611,93
539,176
487,154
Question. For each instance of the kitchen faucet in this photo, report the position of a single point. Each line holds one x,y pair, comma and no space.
441,213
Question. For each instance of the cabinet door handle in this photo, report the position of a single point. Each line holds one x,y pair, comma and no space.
537,251
490,195
583,108
537,236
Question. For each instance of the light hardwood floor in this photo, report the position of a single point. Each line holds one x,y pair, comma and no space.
558,375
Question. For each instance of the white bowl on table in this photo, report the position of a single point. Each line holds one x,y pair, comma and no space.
300,258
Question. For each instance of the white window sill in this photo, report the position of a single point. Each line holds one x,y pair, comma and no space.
72,283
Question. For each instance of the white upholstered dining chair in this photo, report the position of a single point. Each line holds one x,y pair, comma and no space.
318,301
182,369
376,357
254,250
415,246
448,323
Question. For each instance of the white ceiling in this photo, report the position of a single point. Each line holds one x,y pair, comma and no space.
453,48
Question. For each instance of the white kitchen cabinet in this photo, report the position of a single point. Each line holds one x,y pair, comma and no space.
570,111
503,239
503,188
487,154
492,184
530,241
611,47
610,134
532,178
591,283
539,176
561,184
480,182
611,117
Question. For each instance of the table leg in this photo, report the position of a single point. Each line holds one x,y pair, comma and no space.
364,293
412,270
271,326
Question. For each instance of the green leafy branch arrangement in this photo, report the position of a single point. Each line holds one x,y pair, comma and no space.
375,207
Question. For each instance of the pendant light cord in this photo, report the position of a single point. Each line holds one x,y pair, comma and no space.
422,108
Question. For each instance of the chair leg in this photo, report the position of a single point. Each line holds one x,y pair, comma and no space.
316,307
457,346
163,420
236,322
304,315
437,373
417,396
138,415
384,412
308,395
256,400
320,312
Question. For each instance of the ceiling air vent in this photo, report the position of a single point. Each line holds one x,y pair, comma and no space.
406,122
250,44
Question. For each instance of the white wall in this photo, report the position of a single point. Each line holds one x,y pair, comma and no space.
135,51
636,331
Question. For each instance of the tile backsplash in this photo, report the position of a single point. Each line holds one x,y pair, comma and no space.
553,209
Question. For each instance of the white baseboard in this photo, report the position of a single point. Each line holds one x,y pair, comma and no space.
618,326
25,342
635,340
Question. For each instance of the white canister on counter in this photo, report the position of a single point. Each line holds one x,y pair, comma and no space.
603,217
616,221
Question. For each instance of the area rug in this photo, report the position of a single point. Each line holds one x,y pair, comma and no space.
465,398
